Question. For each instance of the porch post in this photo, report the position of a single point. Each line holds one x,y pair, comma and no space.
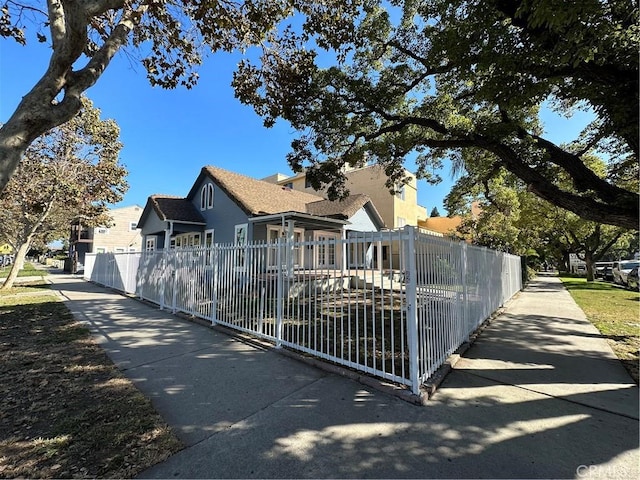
289,253
344,251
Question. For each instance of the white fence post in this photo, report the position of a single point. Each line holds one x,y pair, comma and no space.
215,269
411,279
280,290
163,280
465,293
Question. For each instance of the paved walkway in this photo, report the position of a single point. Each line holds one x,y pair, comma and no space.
539,395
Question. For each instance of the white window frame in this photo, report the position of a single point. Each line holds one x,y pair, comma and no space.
210,192
208,234
133,226
325,249
240,260
272,252
203,197
150,243
101,249
187,240
206,196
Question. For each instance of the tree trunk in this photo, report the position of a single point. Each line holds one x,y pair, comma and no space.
17,264
588,260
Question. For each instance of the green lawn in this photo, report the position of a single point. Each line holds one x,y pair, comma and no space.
615,312
28,271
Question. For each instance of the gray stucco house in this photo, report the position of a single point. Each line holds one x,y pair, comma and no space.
226,207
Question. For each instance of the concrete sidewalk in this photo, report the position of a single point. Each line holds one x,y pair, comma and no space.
539,395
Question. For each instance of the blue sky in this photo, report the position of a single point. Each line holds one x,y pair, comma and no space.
169,135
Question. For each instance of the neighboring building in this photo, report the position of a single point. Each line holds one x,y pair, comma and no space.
122,235
396,210
448,226
226,207
441,226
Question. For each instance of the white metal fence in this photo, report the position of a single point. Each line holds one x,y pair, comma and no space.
392,304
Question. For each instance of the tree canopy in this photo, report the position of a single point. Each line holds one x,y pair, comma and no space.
515,220
71,172
464,79
170,39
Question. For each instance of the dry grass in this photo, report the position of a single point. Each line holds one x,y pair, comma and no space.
67,412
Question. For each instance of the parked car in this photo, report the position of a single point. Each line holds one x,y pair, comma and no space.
621,269
603,270
6,260
632,279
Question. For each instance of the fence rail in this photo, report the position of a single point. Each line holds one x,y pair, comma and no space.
391,304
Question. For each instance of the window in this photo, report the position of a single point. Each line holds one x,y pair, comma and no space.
208,243
307,183
400,191
289,185
186,240
326,250
206,197
203,198
101,250
401,222
273,233
209,195
208,238
240,238
133,226
102,230
119,250
150,244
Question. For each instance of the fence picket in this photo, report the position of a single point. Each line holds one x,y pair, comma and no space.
392,304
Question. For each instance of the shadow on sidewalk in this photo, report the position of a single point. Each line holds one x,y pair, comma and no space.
246,412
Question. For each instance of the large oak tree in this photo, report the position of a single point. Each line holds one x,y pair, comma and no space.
463,79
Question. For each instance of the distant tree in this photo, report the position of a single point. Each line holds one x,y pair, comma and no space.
168,38
71,171
460,79
434,212
515,220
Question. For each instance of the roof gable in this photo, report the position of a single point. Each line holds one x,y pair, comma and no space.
171,208
255,197
344,208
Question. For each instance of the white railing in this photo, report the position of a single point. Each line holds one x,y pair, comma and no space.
392,304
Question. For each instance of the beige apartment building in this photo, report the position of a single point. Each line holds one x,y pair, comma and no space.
396,210
122,234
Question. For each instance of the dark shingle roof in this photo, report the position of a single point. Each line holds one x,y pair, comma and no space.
345,208
175,208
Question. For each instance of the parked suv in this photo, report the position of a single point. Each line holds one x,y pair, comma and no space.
603,270
621,270
632,279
